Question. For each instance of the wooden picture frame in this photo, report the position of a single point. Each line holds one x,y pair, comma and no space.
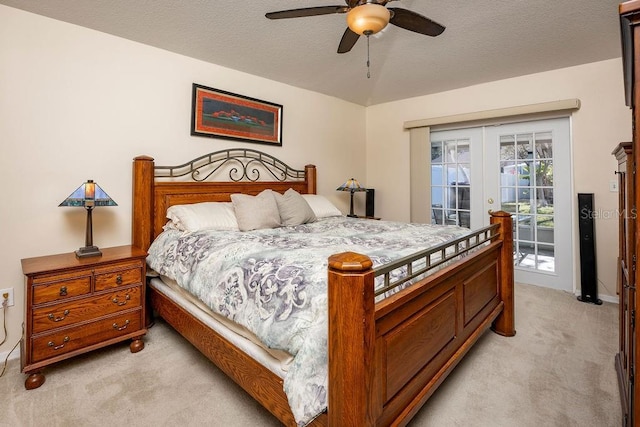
219,114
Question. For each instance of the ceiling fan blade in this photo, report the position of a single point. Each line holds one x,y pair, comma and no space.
415,22
352,3
349,39
307,11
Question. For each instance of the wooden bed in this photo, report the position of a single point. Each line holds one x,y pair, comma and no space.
407,343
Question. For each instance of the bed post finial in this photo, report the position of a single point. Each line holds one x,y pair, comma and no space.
142,216
505,322
351,341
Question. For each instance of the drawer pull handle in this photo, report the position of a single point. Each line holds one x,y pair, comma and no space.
126,298
63,291
58,347
123,327
119,279
58,318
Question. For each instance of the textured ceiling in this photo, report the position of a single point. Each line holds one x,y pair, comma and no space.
484,40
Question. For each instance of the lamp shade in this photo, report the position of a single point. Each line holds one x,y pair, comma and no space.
368,18
351,185
88,196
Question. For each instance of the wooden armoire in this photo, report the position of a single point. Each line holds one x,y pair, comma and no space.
628,156
625,358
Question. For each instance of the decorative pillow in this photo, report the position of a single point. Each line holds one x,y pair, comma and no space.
293,208
256,212
322,207
198,216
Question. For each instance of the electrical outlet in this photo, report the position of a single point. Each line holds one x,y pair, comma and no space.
8,291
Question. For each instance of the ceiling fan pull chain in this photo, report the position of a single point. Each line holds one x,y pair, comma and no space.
368,63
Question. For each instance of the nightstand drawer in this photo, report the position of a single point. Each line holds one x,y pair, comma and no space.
61,289
114,279
64,314
65,341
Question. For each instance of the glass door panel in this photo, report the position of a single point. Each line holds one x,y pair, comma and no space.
542,231
456,167
527,189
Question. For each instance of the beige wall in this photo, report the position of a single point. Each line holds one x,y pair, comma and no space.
77,104
602,121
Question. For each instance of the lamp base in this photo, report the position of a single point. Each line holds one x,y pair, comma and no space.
88,251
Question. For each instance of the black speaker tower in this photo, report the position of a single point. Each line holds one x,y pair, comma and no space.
586,228
370,202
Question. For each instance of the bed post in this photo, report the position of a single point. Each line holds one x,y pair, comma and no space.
351,341
311,177
142,218
505,322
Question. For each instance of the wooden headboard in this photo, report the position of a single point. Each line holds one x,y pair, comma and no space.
156,188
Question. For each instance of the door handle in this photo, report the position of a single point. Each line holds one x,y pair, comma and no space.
490,201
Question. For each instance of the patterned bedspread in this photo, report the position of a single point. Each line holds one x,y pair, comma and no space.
273,282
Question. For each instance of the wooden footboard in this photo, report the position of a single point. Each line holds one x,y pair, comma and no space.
387,359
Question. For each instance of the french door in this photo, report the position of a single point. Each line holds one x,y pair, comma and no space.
511,167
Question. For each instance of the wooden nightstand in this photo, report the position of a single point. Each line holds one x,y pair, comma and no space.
75,305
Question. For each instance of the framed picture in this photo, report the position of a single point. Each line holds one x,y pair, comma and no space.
219,114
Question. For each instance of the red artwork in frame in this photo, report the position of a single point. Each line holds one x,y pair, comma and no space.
220,114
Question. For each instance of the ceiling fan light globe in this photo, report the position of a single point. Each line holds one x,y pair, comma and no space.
367,19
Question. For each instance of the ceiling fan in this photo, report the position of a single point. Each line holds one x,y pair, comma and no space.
366,17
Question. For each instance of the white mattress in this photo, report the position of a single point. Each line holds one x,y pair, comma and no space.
277,361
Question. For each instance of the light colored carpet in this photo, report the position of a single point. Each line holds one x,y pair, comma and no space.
557,371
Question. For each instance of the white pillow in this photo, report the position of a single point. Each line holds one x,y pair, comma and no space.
198,216
293,208
322,207
256,212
